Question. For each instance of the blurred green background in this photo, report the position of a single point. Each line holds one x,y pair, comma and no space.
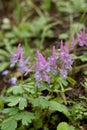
38,24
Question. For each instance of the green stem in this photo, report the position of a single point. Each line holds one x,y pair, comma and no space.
36,91
63,94
30,3
83,16
80,67
33,125
44,118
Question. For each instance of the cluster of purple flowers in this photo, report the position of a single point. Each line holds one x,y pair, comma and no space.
65,59
18,57
43,68
73,43
52,61
81,39
64,51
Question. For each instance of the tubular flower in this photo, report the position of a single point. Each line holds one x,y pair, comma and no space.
82,38
73,43
42,69
13,80
65,59
17,55
22,66
43,64
5,72
52,61
63,72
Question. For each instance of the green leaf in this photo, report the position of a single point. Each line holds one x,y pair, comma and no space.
41,102
1,103
38,123
4,53
63,81
76,27
12,100
16,90
83,58
10,111
62,126
59,107
10,35
71,80
85,72
63,36
3,66
6,26
71,128
25,117
9,124
22,103
46,5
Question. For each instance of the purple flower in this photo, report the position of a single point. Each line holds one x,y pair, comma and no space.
68,60
80,42
54,57
17,55
41,58
42,64
62,51
42,69
13,80
82,38
63,73
65,59
37,76
22,66
5,72
52,61
46,78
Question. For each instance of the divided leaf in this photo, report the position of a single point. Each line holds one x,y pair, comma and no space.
10,111
22,103
9,124
41,102
14,100
25,117
16,90
59,107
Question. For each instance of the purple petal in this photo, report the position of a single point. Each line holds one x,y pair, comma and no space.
41,58
5,72
54,57
17,55
13,80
